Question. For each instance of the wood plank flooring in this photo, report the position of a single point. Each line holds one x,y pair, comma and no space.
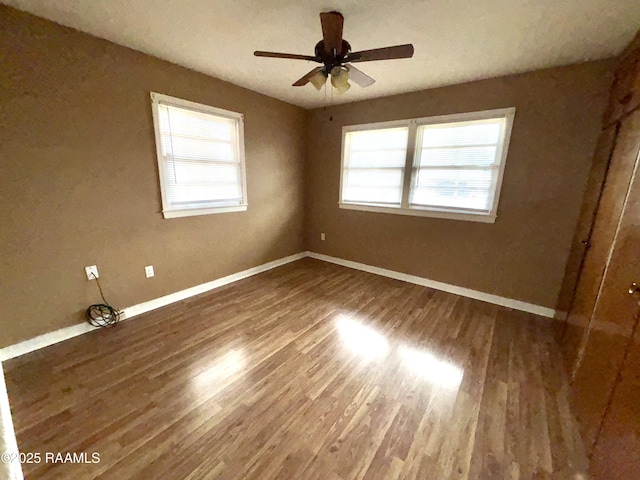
308,371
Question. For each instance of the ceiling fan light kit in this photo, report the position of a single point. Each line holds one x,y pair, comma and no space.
335,54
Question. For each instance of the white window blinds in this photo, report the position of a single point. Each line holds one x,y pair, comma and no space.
200,157
449,166
374,166
458,164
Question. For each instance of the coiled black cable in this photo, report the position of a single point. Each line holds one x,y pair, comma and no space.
102,314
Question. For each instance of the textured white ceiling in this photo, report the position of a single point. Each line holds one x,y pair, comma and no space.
455,40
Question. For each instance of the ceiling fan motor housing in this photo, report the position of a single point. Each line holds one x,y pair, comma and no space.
333,59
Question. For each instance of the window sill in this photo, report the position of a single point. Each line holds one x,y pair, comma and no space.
192,212
417,212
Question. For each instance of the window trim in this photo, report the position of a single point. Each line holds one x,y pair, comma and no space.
412,159
173,212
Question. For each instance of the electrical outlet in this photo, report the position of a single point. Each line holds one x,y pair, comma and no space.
322,237
92,272
148,270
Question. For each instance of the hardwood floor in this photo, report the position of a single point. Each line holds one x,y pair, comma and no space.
308,371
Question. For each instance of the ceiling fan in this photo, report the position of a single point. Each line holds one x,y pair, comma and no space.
335,54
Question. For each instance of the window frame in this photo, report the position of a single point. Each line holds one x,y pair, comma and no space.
238,118
412,165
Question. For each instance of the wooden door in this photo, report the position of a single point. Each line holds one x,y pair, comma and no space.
600,243
586,220
617,451
610,328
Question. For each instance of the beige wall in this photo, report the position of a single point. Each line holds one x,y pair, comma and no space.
522,256
79,181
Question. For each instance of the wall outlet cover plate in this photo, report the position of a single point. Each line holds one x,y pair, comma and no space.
148,270
92,272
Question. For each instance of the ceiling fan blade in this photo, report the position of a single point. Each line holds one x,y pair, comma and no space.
293,56
360,78
304,80
386,53
332,31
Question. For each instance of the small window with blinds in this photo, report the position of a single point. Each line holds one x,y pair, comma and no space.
458,165
449,166
374,166
200,158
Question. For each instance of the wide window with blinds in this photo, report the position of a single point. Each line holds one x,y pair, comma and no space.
448,166
200,158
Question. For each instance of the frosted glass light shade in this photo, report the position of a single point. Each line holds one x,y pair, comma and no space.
340,79
318,80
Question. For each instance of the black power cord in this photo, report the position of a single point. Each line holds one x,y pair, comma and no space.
102,314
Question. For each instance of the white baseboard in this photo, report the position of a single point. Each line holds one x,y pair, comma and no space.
445,287
69,332
9,470
134,310
205,287
44,340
